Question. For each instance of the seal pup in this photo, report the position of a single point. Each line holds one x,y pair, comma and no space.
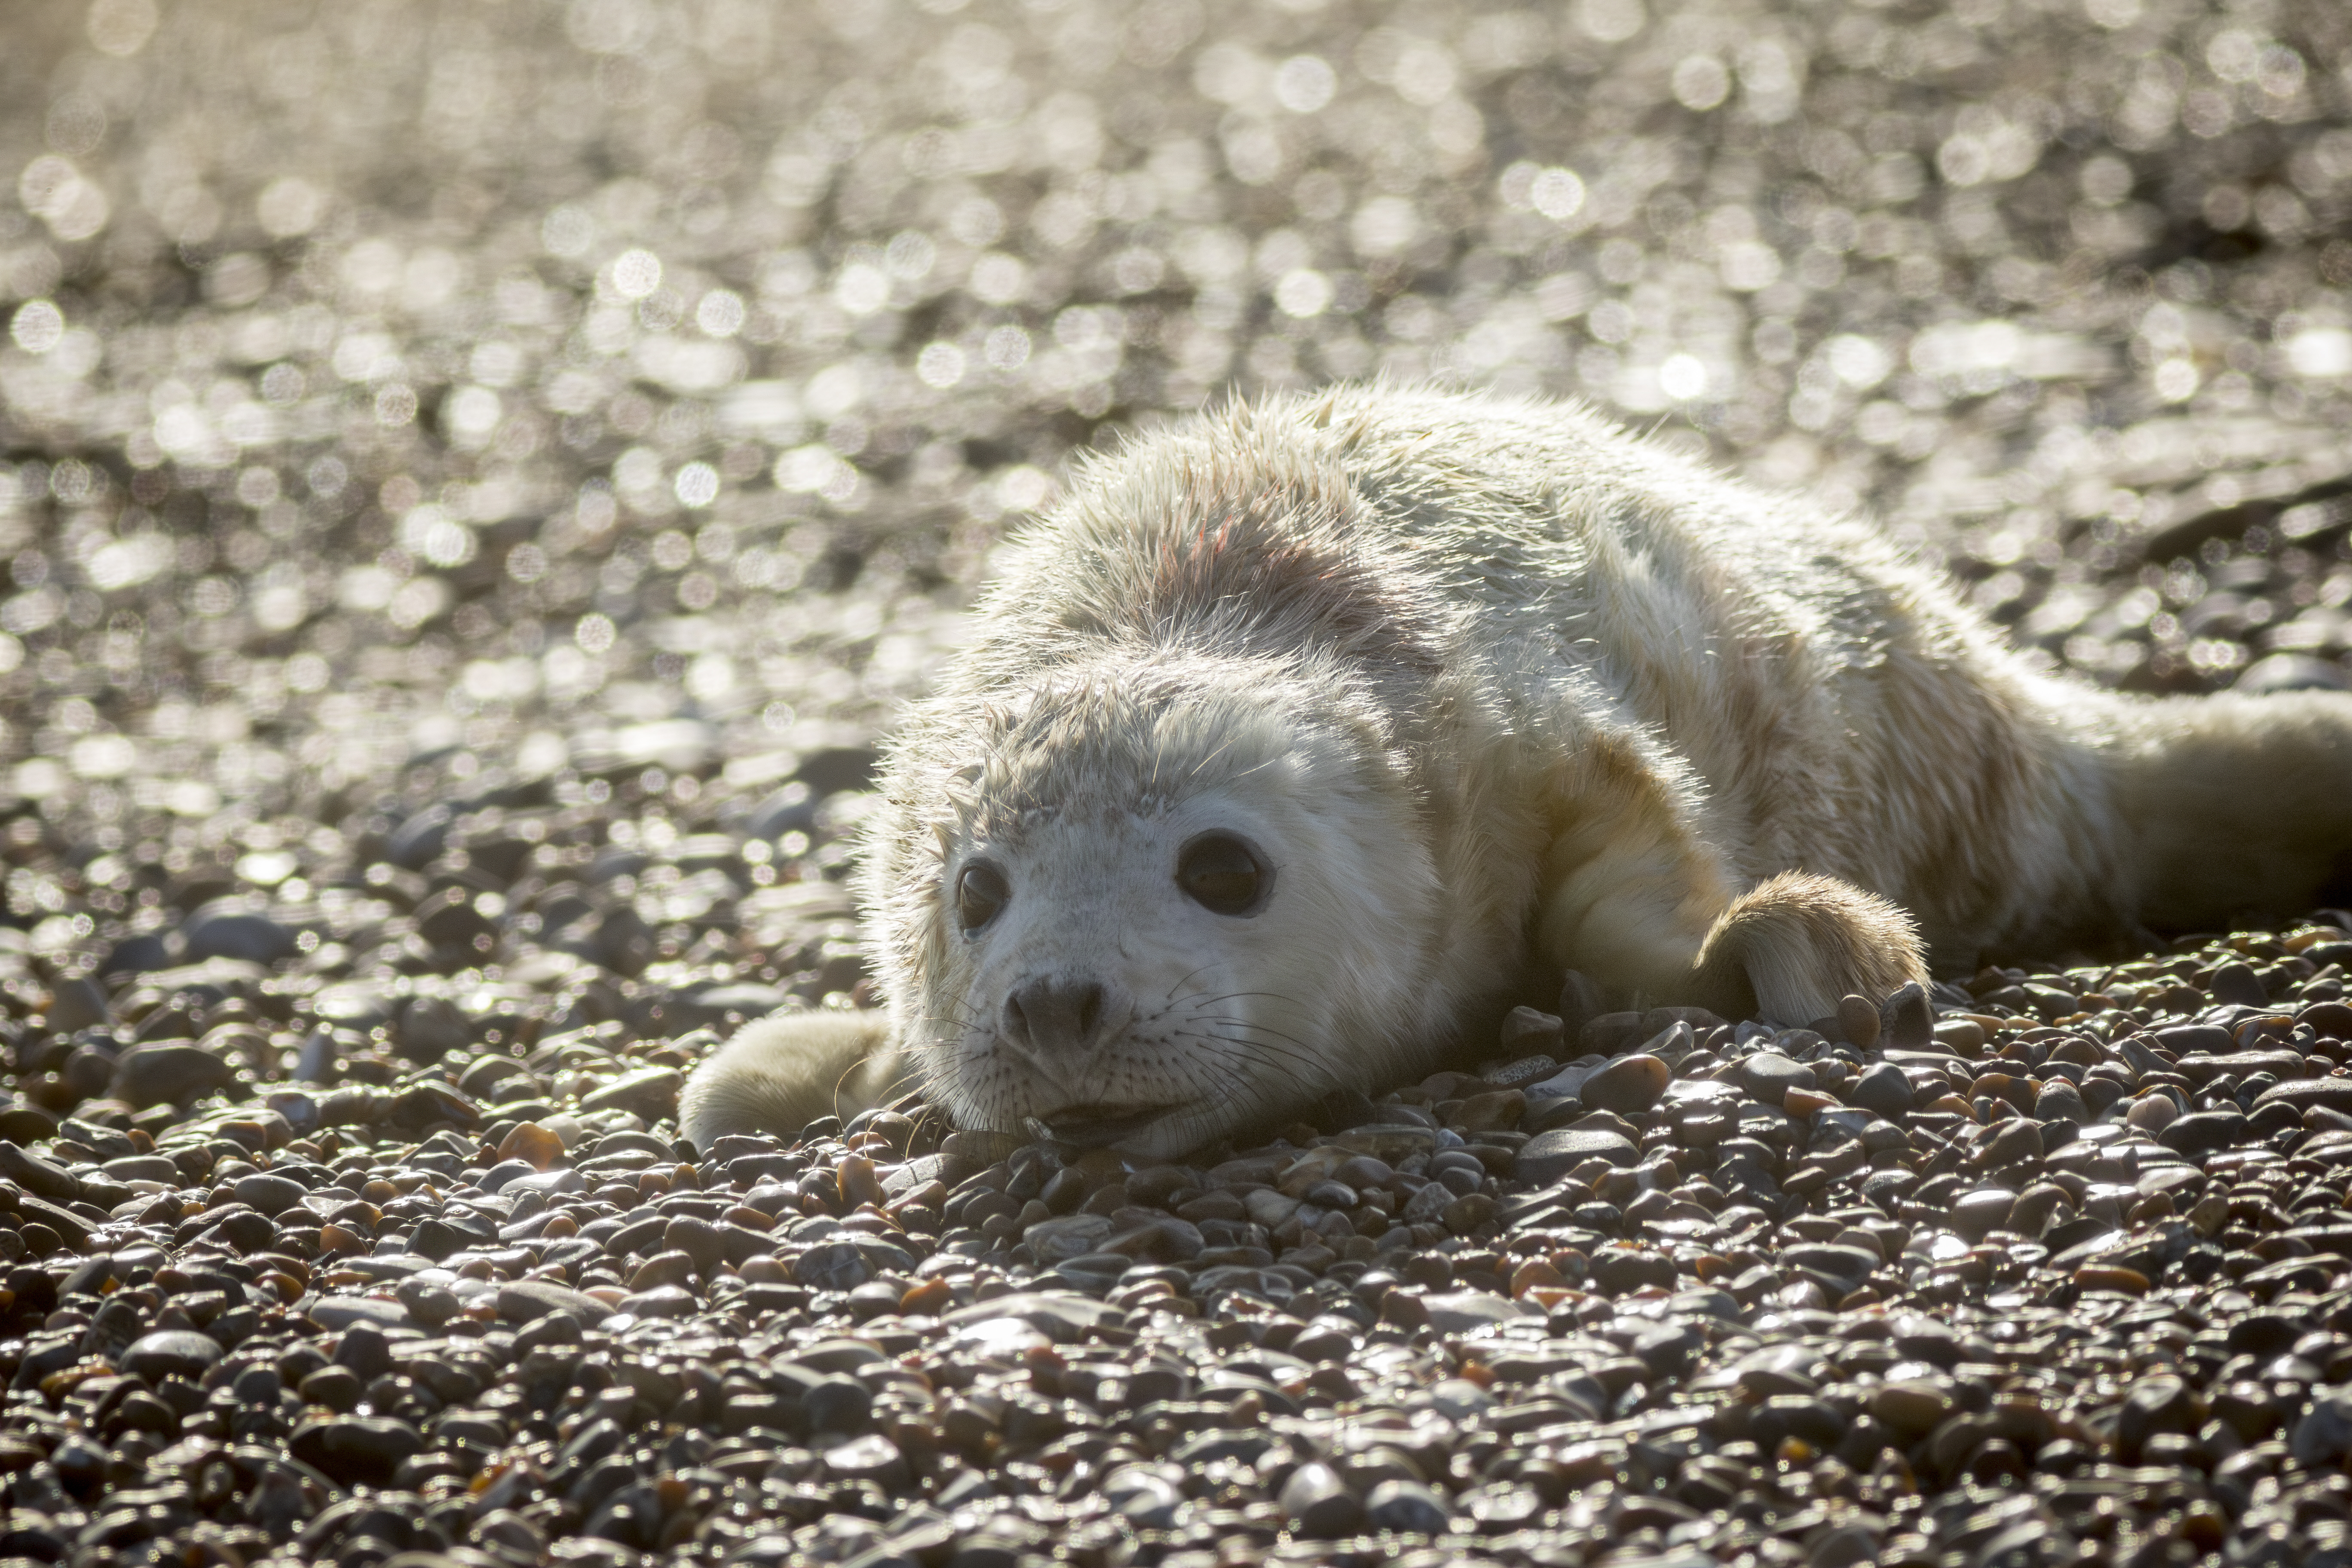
1302,738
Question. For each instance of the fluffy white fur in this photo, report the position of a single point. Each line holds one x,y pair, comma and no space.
1498,691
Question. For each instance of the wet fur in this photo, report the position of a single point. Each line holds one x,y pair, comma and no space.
1543,696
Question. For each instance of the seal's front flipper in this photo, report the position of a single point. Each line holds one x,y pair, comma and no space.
1789,948
782,1072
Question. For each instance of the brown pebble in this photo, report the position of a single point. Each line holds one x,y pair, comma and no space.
534,1144
2153,1113
1628,1086
662,1269
1535,1272
859,1183
1857,1020
2112,1276
1806,1103
1466,1213
1910,1409
1495,1111
930,1298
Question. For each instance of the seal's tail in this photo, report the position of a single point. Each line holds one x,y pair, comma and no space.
782,1072
2238,805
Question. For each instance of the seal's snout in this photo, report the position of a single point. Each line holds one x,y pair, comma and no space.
1050,1015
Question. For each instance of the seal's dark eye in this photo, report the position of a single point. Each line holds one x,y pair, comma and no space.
1222,874
981,891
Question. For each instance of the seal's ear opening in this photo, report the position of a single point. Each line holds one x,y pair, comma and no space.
1790,947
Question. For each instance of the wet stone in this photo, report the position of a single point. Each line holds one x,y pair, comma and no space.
1145,1499
1767,1077
1461,1311
230,933
43,1177
1548,1156
170,1353
835,1266
1628,1086
357,1450
525,1300
2236,982
1319,1504
2160,1404
651,1093
2059,1101
2202,1133
2323,1435
268,1195
1910,1407
1908,1021
1976,1214
164,1073
1882,1088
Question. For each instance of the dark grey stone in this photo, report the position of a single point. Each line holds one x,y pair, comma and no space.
1548,1156
1885,1090
171,1353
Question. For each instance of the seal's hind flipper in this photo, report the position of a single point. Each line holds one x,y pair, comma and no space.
1789,948
2242,805
784,1071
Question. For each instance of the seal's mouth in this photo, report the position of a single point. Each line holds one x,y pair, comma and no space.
1094,1124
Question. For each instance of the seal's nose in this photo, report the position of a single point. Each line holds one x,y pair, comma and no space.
1049,1013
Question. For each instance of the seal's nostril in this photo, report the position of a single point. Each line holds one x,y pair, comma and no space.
1054,1012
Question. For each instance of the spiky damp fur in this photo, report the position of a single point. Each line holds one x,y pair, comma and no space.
1502,691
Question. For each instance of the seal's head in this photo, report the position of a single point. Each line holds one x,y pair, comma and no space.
1160,899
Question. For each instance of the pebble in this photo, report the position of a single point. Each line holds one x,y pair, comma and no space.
2322,1438
268,1195
2060,1100
1882,1088
1319,1504
1767,1077
1547,1156
1628,1086
162,1074
229,933
526,1299
1857,1022
1908,1021
169,1352
1406,1507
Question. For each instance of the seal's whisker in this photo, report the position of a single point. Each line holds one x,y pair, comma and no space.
1299,1055
1184,979
1232,1022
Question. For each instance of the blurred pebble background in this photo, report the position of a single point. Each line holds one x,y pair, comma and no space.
602,407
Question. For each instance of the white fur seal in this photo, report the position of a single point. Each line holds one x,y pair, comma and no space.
1304,734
